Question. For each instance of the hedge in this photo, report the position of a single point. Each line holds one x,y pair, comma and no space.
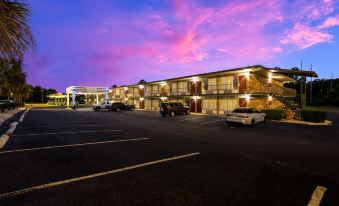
274,114
314,115
9,106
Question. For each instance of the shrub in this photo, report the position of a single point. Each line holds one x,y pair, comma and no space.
9,106
314,115
274,114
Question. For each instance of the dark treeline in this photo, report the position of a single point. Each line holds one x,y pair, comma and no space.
324,91
37,94
15,40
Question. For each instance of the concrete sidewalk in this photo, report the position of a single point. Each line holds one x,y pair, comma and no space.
8,114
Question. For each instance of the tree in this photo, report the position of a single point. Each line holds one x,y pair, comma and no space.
114,86
142,82
15,34
13,80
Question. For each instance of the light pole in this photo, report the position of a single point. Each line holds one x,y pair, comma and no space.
42,95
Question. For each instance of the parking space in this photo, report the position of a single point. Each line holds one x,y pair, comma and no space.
58,157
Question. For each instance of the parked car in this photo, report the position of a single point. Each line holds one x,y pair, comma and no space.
118,106
6,101
245,115
81,101
106,105
173,108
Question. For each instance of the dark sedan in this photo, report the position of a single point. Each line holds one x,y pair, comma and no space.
118,106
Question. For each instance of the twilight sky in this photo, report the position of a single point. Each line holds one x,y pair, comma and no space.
105,42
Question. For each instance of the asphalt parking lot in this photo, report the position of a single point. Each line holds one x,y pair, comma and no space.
62,157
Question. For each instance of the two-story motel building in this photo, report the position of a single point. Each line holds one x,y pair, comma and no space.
216,92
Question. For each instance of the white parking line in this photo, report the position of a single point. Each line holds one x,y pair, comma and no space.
47,133
23,115
78,179
317,196
3,139
218,120
181,120
80,125
73,145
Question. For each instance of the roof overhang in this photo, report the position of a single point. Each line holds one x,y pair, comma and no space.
295,72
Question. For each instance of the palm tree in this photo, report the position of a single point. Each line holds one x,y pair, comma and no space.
15,33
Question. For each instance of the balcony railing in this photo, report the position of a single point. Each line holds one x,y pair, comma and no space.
179,92
273,89
262,88
222,89
251,89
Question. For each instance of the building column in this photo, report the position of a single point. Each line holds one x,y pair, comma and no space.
106,94
73,98
97,98
67,99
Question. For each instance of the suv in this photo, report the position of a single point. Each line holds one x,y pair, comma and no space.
173,108
117,106
103,105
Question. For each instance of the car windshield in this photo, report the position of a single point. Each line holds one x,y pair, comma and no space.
243,110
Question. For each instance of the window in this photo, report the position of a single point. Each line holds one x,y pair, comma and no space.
205,84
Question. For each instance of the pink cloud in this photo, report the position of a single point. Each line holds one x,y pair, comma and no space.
330,22
187,36
304,36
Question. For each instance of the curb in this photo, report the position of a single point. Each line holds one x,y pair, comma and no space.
5,137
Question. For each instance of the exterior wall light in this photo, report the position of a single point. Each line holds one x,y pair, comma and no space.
125,88
270,98
163,98
126,99
163,84
141,99
141,86
248,97
269,78
194,79
247,74
195,98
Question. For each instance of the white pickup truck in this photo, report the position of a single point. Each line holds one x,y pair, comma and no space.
106,105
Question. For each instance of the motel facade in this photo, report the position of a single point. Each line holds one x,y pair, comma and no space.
218,92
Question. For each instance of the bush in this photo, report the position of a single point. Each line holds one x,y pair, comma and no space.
9,106
274,114
314,115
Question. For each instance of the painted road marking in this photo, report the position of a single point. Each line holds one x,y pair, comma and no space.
3,139
59,121
23,115
218,120
47,133
78,179
189,119
72,145
81,125
317,196
12,128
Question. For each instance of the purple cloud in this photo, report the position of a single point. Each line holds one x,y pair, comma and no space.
108,44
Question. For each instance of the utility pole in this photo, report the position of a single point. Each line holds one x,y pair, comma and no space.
42,95
331,84
311,92
301,90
